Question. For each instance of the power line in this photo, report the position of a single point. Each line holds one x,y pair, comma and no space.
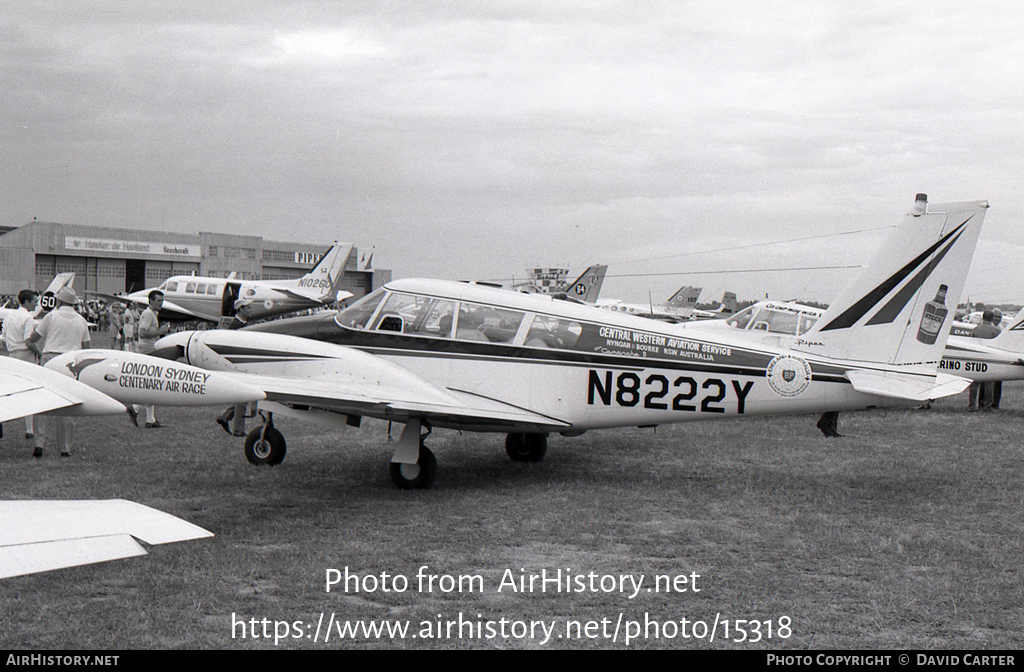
745,247
734,270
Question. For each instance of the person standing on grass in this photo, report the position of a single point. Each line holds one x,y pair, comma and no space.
980,394
17,329
62,330
997,385
149,332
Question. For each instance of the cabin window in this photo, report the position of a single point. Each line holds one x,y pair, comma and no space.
201,288
487,323
434,318
212,289
190,287
806,322
552,332
358,314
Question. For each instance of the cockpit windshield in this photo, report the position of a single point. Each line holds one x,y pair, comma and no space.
356,315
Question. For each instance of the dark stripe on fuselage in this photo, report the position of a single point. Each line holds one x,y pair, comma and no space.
401,345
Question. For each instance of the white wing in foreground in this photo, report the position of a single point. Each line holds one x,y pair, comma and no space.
27,389
39,536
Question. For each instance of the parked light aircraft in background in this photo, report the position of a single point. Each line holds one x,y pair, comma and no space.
433,353
727,307
190,297
999,358
679,306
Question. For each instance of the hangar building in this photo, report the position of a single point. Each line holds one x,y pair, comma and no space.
112,260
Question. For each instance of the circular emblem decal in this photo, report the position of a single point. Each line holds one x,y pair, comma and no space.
788,376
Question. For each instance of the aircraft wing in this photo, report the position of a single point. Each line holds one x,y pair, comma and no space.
27,389
169,309
39,536
445,407
304,374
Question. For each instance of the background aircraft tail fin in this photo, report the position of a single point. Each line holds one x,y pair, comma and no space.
588,286
729,304
685,300
900,309
325,278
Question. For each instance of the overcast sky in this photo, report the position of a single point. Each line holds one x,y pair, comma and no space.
474,139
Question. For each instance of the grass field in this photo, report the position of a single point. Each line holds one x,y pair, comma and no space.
907,533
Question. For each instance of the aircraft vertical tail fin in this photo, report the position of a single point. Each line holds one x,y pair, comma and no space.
729,304
588,286
327,275
898,312
685,300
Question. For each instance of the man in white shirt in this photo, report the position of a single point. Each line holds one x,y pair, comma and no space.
150,332
17,328
62,330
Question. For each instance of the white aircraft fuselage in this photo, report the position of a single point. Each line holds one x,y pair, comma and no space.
586,367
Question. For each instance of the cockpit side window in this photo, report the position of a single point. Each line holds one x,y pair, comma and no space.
358,314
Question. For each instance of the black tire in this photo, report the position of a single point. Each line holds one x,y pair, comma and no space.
419,476
526,447
265,446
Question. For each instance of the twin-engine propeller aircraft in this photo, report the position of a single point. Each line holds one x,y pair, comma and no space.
679,307
432,353
191,297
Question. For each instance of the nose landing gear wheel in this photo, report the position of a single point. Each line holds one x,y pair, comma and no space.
419,476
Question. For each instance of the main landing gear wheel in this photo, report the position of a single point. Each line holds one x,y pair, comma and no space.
419,476
526,447
265,445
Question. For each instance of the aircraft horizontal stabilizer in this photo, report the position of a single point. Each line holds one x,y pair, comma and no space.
906,386
340,296
39,536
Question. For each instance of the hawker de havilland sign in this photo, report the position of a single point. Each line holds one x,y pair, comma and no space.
432,353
